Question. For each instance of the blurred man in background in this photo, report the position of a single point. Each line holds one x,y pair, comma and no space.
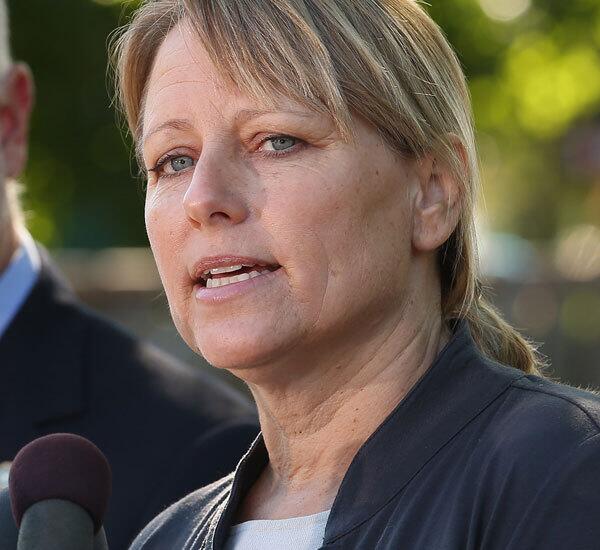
165,429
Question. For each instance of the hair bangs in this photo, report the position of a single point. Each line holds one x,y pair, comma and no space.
270,51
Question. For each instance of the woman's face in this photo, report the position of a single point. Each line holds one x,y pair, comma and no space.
321,228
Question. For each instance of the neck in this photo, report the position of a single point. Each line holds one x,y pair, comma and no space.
313,427
9,242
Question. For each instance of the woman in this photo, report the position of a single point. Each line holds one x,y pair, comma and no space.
311,178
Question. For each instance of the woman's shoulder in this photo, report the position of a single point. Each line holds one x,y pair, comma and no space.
536,467
561,394
178,524
538,432
538,409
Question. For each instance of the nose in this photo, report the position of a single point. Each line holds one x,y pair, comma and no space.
214,195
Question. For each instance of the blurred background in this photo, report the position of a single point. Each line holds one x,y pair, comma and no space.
534,72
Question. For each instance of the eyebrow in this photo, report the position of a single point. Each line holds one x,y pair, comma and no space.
180,124
242,116
245,115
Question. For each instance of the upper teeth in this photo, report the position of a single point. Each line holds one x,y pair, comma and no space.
220,270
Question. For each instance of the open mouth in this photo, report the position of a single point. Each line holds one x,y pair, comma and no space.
223,276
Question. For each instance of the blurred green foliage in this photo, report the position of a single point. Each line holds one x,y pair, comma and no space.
533,78
80,189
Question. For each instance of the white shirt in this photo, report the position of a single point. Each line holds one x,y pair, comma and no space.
17,280
303,533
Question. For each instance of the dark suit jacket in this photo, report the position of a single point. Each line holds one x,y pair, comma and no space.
165,428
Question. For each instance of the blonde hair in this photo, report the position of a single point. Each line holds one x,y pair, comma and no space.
384,60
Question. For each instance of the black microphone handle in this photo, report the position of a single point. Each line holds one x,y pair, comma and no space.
9,533
100,540
58,525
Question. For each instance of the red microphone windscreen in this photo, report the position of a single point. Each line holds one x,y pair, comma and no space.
61,466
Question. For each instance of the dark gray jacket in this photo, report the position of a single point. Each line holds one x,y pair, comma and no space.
477,456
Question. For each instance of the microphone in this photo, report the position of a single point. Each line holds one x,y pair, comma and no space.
8,530
9,534
59,489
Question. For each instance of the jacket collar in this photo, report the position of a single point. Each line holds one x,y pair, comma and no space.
457,387
43,349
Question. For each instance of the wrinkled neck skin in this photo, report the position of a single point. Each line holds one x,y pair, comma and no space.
314,425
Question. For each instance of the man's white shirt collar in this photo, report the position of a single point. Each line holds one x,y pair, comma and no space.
17,280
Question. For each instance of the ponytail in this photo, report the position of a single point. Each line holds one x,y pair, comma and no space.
463,298
500,341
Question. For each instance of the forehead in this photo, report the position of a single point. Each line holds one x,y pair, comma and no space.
186,89
185,83
182,73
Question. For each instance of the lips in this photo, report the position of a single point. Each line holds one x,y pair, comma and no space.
229,266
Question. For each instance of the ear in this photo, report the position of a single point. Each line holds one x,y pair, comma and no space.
16,101
437,200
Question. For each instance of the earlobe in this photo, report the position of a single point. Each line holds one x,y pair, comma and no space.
436,204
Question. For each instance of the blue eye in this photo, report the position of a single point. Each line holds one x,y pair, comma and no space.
281,143
172,165
181,163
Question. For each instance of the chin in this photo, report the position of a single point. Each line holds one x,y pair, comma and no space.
239,349
232,355
228,347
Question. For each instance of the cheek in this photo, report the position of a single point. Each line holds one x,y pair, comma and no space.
311,223
369,237
158,228
165,221
166,225
302,248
